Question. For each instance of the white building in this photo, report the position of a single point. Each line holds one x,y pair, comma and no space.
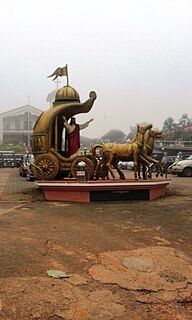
16,125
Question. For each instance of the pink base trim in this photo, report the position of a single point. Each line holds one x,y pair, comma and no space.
79,191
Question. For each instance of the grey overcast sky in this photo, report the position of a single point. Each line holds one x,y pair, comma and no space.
136,55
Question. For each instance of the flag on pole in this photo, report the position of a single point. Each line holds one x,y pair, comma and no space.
59,72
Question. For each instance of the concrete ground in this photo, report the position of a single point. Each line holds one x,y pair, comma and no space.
122,260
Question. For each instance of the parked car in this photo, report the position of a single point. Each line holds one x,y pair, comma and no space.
7,158
183,168
126,165
180,156
17,159
1,160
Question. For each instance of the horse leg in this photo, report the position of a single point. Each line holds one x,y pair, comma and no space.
156,162
135,169
159,170
139,170
121,174
101,168
135,160
109,158
110,170
145,164
144,172
104,171
96,171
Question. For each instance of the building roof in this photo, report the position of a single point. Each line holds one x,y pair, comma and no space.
21,110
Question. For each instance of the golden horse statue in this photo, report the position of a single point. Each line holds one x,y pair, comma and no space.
147,151
112,153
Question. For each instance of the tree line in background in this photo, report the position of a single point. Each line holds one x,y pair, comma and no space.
181,130
178,131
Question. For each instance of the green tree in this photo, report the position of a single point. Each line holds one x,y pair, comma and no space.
183,121
176,131
169,127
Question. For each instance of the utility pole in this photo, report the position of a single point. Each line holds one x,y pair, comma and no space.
28,135
57,83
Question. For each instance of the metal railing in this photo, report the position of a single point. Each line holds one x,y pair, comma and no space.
173,144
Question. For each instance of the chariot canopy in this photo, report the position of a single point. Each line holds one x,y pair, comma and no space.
45,121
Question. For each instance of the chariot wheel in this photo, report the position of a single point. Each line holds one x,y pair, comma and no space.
89,167
46,166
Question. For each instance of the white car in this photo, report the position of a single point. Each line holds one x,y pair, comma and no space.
183,168
126,165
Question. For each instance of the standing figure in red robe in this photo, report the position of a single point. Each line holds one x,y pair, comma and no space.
73,134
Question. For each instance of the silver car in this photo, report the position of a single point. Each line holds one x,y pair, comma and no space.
183,168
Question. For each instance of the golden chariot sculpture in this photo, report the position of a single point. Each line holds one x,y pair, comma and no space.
51,160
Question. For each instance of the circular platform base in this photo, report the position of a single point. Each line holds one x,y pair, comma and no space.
72,190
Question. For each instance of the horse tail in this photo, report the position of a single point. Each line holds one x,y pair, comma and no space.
94,147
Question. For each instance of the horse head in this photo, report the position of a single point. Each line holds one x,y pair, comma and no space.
142,128
155,133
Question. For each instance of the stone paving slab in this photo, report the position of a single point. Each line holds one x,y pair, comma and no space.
13,187
3,180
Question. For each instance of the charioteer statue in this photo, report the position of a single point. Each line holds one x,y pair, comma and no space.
73,134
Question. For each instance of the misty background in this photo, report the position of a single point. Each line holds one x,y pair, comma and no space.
136,55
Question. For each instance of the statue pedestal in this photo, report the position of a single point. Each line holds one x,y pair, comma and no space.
102,190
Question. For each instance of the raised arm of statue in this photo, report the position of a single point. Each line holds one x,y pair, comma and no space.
85,125
67,126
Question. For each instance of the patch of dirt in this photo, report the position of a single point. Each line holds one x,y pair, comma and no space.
125,260
148,272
